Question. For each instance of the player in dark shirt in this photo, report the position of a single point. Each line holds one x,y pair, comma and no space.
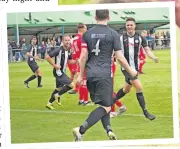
32,54
63,82
98,45
131,43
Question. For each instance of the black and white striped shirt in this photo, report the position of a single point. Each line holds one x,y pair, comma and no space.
33,50
131,48
61,58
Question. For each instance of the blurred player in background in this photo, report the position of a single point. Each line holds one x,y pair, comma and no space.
32,54
76,48
142,54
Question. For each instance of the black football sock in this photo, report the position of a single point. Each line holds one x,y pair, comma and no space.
39,80
30,78
64,89
119,95
141,101
51,100
105,120
93,118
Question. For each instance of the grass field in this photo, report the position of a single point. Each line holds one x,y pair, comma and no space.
31,122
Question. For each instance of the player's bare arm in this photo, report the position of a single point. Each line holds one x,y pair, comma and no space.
123,62
50,60
35,57
82,62
150,54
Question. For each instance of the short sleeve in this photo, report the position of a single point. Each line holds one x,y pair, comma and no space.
116,41
84,41
144,42
54,52
29,48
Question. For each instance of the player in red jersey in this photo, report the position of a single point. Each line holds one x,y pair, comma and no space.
122,108
76,46
72,67
142,54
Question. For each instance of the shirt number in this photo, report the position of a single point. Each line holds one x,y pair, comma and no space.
96,50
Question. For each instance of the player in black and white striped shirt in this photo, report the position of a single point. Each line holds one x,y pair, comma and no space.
32,54
63,82
131,43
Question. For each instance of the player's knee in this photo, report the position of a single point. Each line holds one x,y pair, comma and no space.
71,85
126,89
108,109
58,89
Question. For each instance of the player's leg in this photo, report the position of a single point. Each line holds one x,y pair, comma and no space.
76,87
85,92
33,67
126,89
97,89
140,97
68,85
142,62
49,105
113,111
85,96
121,106
81,98
39,76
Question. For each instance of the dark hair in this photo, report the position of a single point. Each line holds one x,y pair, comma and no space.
102,14
130,19
80,25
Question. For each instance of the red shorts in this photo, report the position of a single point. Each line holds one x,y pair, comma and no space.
72,68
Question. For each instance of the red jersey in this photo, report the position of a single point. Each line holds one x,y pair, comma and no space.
76,45
142,54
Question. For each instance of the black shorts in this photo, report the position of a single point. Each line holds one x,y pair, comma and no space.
101,90
128,77
62,80
33,65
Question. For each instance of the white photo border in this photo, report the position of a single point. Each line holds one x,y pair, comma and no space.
51,7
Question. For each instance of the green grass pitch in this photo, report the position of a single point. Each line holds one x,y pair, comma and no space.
31,122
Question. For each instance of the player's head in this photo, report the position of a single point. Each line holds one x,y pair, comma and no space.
82,28
102,15
130,25
144,33
33,40
66,40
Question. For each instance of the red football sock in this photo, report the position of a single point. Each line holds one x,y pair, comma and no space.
119,103
141,65
80,93
85,94
113,108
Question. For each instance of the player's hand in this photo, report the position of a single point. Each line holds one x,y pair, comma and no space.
134,73
156,60
80,80
57,67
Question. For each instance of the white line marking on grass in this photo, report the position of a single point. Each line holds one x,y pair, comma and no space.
82,113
